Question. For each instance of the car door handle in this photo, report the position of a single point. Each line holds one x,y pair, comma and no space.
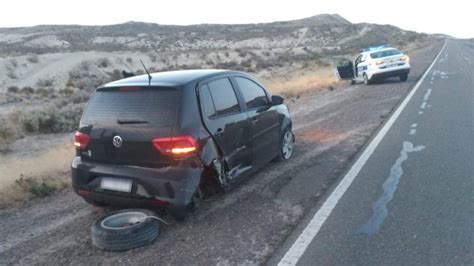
219,132
254,120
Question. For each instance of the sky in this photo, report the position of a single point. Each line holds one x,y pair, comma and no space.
454,17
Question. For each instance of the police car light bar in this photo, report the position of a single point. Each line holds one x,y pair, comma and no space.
376,48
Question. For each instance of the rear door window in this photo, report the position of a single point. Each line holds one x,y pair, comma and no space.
149,105
223,97
385,53
207,104
254,95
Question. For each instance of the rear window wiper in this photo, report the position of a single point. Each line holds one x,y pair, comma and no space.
132,121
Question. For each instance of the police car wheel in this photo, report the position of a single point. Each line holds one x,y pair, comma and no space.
367,81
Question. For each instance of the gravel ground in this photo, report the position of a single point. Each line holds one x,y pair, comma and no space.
243,226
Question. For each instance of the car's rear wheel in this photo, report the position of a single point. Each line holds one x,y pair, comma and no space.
125,229
403,77
367,81
180,213
286,145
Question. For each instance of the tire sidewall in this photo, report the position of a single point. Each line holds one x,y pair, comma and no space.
366,79
97,226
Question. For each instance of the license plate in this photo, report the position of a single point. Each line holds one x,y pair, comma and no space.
116,184
392,65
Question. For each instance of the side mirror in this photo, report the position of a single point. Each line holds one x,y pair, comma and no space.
277,100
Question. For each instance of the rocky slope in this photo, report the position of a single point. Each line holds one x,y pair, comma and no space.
53,55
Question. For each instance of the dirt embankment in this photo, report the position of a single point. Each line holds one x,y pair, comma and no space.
243,226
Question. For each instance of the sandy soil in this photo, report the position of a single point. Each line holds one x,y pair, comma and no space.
243,226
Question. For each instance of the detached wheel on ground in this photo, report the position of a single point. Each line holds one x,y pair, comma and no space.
180,213
287,143
125,229
403,77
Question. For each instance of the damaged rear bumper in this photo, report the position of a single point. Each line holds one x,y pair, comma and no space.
172,186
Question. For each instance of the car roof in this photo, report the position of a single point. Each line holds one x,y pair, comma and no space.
169,78
378,50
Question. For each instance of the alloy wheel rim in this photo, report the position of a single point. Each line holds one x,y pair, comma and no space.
124,220
287,147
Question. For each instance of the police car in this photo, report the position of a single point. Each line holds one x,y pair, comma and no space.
374,63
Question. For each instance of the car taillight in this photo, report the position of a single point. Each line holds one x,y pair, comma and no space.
81,140
176,146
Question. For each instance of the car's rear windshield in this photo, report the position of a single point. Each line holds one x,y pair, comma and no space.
133,105
385,53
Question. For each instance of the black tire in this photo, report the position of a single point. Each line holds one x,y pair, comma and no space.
96,203
125,229
367,81
353,81
180,213
281,157
403,77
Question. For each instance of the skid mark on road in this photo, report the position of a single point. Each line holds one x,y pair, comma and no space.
379,208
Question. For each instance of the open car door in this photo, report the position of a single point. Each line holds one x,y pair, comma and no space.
344,69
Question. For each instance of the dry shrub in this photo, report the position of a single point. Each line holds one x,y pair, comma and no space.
103,62
33,59
25,176
44,92
45,82
8,133
37,187
51,119
70,83
13,89
298,83
27,90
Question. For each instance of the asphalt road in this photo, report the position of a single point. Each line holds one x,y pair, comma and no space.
412,203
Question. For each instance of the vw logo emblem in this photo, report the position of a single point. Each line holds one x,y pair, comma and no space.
117,141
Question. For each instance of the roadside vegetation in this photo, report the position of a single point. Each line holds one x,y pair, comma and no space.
52,112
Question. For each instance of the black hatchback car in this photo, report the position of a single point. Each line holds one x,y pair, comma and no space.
165,141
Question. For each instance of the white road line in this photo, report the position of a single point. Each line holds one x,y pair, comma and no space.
427,95
412,131
306,237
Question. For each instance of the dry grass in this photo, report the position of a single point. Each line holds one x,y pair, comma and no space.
50,167
303,81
